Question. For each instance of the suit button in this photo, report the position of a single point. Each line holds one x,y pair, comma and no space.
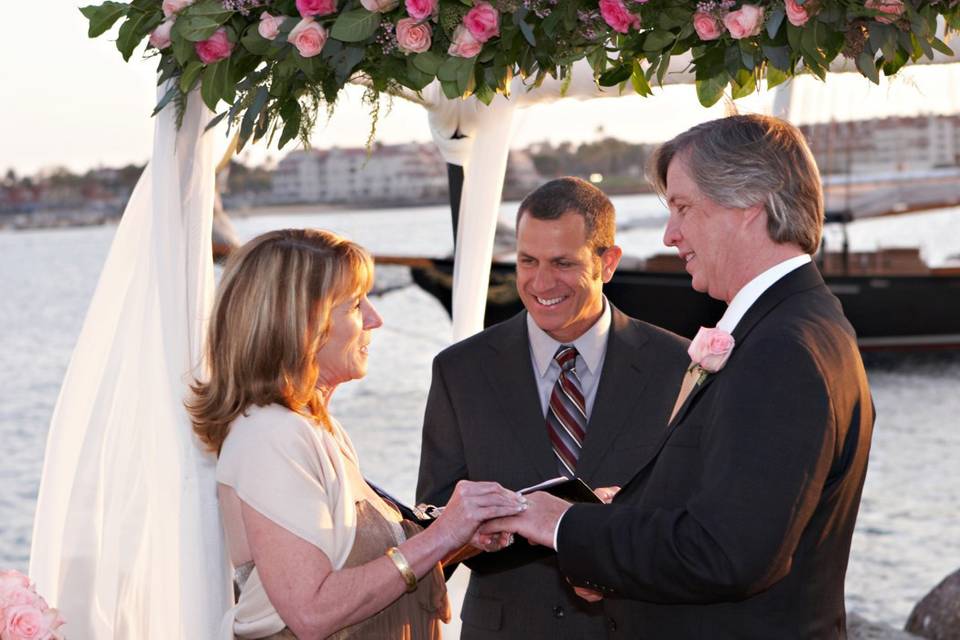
558,611
611,624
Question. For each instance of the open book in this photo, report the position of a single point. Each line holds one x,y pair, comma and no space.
569,489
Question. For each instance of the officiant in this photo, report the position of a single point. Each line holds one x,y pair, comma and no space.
570,386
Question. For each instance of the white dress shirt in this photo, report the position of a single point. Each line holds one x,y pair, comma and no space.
591,348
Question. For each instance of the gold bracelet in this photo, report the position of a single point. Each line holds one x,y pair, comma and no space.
409,577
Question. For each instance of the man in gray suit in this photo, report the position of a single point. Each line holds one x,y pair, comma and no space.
514,404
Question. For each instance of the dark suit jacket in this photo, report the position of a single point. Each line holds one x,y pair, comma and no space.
741,525
484,422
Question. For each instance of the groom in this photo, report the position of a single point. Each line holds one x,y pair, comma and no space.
740,526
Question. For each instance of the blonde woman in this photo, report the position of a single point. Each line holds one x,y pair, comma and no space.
317,552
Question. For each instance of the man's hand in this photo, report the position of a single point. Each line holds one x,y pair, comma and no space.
537,523
606,494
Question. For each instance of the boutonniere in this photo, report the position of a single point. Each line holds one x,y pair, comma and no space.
709,351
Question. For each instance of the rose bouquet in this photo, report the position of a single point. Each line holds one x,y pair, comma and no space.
275,62
24,615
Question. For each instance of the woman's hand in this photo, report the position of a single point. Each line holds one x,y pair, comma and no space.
471,504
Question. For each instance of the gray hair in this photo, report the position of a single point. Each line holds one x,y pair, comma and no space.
744,160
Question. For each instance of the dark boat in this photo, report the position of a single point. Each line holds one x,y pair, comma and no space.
892,298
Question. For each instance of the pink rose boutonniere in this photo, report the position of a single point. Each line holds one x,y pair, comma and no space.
710,350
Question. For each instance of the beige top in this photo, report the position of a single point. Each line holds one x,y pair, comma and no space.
298,475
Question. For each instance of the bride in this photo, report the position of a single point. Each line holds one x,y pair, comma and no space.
317,552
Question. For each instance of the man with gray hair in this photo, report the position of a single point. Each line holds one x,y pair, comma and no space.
740,525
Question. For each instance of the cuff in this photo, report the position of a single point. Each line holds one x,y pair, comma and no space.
556,530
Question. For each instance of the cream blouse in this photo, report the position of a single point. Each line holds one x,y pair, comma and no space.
292,472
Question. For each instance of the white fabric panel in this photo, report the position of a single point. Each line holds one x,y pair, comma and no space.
127,540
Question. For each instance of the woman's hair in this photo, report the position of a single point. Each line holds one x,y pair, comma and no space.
270,317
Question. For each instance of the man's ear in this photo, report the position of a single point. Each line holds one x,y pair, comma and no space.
754,214
609,260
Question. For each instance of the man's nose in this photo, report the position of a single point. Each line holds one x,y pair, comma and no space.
543,279
672,235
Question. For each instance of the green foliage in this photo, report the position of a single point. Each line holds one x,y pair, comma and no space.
272,91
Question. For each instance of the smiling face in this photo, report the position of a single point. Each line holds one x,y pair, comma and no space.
343,356
707,235
559,276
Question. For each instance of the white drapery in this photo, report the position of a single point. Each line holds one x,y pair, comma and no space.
127,539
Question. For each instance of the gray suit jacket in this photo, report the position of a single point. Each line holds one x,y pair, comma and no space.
484,422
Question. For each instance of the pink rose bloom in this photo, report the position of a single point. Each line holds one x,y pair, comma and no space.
711,348
616,15
483,21
379,6
309,8
171,7
745,22
890,10
308,37
413,36
464,45
707,26
215,48
24,622
160,37
269,27
796,13
420,9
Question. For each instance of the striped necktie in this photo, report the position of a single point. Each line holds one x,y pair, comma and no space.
567,414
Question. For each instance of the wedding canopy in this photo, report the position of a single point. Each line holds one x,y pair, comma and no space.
127,539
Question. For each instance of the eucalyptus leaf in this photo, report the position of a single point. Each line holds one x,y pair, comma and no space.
941,46
251,115
103,17
165,100
291,123
639,80
775,77
450,89
520,19
183,49
198,28
868,67
355,26
190,75
217,119
465,80
774,21
743,84
615,75
779,57
133,31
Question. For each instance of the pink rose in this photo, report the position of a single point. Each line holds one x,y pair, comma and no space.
171,7
710,349
413,37
890,10
483,21
797,13
420,9
269,27
309,8
215,48
24,622
744,22
379,6
707,25
464,45
616,15
308,37
160,37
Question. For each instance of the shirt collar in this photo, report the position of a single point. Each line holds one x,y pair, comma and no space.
591,345
749,294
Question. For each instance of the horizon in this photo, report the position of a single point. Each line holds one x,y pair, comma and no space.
73,102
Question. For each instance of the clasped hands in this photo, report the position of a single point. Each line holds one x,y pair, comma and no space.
537,522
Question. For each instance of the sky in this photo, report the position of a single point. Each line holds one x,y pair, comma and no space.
68,100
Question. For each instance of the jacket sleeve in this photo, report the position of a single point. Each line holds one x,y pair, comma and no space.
766,447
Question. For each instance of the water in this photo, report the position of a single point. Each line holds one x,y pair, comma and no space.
907,537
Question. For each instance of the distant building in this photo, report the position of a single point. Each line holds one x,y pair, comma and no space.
389,174
885,145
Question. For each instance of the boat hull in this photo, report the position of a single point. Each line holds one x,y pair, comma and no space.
888,312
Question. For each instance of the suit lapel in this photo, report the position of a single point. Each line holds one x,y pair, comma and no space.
622,380
800,279
509,371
